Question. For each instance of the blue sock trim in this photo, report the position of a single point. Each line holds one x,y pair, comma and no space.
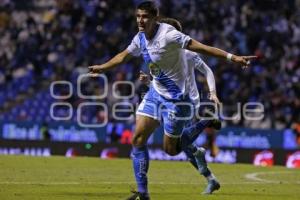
136,150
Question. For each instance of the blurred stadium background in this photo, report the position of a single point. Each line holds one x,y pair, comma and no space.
47,44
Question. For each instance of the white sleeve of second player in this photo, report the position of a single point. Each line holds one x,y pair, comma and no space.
135,48
201,66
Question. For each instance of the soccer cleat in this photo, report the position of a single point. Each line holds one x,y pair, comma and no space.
138,196
212,186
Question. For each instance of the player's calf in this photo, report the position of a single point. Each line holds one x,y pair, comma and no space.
213,184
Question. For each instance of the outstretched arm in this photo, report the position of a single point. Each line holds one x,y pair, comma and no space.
120,58
198,47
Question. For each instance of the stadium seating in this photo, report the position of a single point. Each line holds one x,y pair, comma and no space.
57,40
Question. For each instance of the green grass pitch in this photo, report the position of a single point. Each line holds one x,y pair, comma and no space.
60,178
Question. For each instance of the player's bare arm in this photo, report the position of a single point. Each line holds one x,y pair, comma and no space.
198,47
120,58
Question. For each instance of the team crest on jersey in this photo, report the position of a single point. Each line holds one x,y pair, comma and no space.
154,69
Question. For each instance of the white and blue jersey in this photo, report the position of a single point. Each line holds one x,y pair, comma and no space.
165,58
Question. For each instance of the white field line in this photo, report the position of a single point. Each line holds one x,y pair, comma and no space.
254,177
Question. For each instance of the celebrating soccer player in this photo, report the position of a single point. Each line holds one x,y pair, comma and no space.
161,46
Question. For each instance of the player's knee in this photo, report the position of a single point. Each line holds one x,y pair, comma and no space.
138,140
171,146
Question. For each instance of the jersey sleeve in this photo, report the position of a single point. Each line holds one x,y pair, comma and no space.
135,48
198,63
178,38
201,66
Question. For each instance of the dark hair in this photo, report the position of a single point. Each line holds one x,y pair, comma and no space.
172,22
149,6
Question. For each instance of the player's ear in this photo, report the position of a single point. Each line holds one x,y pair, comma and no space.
156,18
159,18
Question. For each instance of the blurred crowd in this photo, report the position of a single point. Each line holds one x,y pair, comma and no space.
58,39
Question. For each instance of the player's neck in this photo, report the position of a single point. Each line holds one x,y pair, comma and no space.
151,33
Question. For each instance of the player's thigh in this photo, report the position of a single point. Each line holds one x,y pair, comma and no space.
175,118
145,126
172,133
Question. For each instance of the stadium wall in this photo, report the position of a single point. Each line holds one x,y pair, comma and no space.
267,157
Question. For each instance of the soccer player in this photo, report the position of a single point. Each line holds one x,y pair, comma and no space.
161,46
194,61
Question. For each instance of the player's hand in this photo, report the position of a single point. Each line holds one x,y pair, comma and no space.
144,78
245,61
95,70
214,98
